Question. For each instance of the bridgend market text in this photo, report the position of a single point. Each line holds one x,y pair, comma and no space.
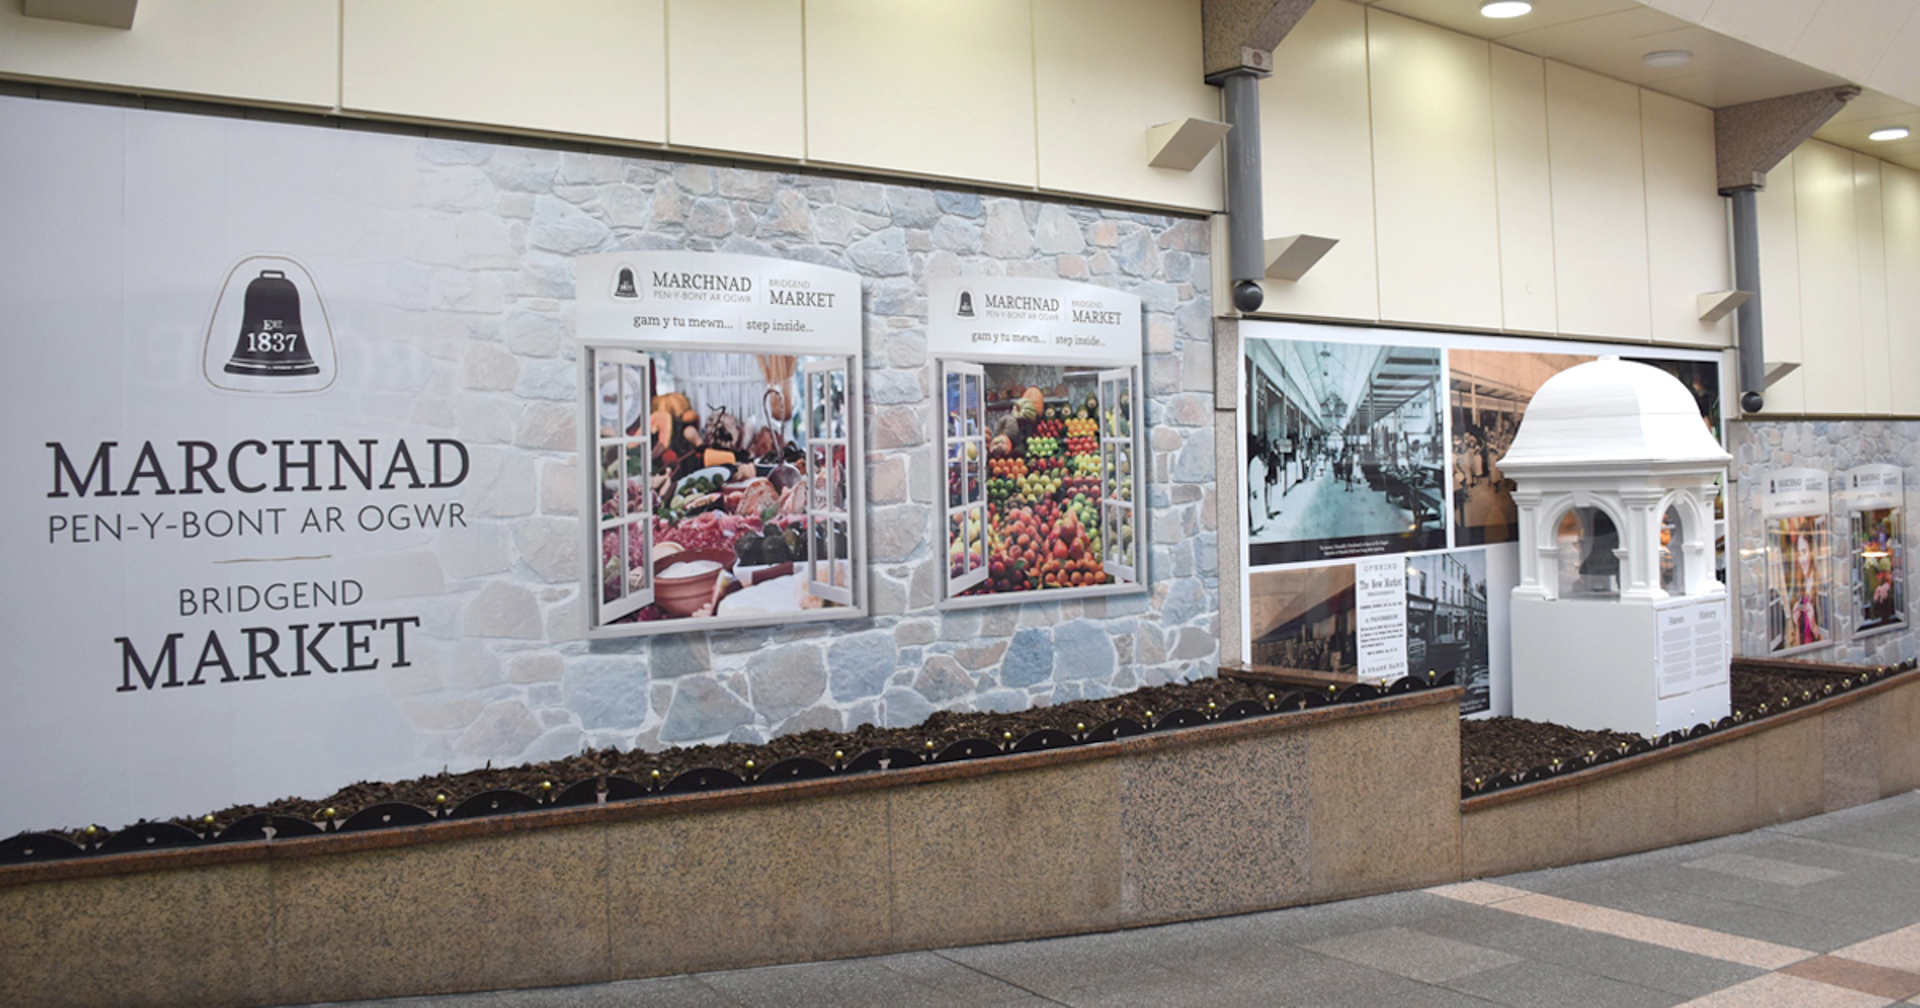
296,650
251,466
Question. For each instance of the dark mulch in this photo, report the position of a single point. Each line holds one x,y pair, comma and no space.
1490,747
445,790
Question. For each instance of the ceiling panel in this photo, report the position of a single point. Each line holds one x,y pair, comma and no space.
1749,82
1552,40
1622,58
1464,15
1849,37
1773,25
1899,71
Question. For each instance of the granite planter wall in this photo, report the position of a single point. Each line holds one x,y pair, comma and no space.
1227,818
1848,749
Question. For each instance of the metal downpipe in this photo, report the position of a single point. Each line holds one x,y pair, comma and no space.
1246,217
1746,277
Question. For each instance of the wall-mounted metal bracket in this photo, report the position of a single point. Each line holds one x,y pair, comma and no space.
1719,304
1182,145
104,13
1291,257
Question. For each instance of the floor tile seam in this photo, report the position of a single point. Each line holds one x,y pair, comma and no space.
941,954
1622,972
1910,981
1588,974
1781,973
1731,900
1776,955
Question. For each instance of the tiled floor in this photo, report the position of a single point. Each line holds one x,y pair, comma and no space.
1821,913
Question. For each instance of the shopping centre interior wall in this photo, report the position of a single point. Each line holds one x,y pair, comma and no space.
1472,186
1052,95
453,292
1840,268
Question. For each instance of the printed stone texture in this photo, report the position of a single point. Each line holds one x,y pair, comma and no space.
1215,830
1385,802
1792,781
1899,727
1520,835
522,909
476,341
1834,446
1631,812
1007,856
192,937
801,880
1851,737
1715,790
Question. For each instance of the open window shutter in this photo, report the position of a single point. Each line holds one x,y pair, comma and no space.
829,533
1119,483
623,452
964,447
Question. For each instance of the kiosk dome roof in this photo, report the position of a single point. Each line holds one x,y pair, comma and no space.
1610,410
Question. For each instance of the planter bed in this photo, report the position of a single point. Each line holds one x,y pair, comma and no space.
1504,752
1824,751
1225,816
612,776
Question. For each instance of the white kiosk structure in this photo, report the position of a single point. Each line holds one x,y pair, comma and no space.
1618,620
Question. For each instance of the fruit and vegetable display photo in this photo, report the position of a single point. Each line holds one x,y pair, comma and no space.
723,486
1041,479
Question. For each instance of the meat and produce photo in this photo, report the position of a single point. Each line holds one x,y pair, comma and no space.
710,495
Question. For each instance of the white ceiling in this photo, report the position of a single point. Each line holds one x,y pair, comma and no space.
1743,50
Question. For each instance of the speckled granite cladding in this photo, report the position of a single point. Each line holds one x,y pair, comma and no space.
1833,445
485,336
1383,803
1170,823
1150,829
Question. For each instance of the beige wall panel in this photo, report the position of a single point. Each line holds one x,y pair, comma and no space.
1687,252
1780,286
1437,216
1599,204
921,86
738,76
278,51
1525,190
1876,378
586,67
1317,156
1900,205
1104,72
1829,277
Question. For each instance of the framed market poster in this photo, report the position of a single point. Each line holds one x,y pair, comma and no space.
1876,547
1795,506
1040,437
722,433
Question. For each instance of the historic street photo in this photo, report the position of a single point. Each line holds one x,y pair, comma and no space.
1344,451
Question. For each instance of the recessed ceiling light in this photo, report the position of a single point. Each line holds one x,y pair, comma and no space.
1505,8
1666,58
1896,133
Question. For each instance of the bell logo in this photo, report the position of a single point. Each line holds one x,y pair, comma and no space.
624,286
269,332
965,307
